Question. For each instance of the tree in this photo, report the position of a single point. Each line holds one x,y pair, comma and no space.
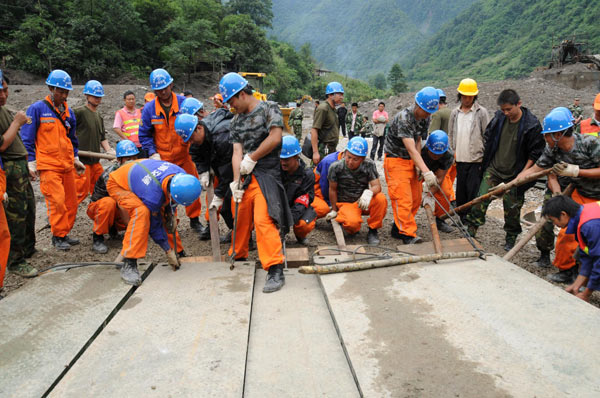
378,81
261,11
249,44
396,79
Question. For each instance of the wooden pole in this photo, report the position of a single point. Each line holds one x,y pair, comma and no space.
339,234
214,225
500,191
435,234
533,230
97,155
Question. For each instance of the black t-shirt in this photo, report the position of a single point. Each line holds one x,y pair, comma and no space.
443,163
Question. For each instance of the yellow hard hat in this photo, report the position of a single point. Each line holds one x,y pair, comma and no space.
468,87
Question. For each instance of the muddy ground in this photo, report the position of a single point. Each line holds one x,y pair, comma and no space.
537,94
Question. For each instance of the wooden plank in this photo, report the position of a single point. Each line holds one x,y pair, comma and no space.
214,225
339,234
297,256
450,246
435,235
181,333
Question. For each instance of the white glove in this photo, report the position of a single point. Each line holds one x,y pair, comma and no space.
236,191
247,165
172,259
5,197
111,151
430,179
365,199
205,179
32,166
565,169
79,167
331,215
428,200
216,203
155,156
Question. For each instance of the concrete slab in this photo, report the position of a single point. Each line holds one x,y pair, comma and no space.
46,323
294,350
465,328
448,246
182,333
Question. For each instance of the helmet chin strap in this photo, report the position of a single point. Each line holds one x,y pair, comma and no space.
556,140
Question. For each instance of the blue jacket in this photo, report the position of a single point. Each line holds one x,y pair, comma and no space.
590,262
155,128
323,171
150,192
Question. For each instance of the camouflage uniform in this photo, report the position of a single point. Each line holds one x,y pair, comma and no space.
358,124
352,183
367,129
404,125
296,117
576,110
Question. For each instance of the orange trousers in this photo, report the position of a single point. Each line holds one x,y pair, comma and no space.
253,209
58,187
195,208
452,175
448,190
105,214
566,243
321,207
135,241
405,193
4,232
350,216
85,183
302,228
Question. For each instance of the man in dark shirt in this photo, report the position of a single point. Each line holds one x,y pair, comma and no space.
342,111
324,135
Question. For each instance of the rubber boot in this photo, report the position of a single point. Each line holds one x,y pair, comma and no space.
442,226
60,243
71,241
205,234
130,273
544,260
197,226
565,276
302,241
372,238
24,269
275,279
98,245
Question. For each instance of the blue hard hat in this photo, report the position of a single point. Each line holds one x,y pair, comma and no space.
185,188
59,78
441,92
428,99
567,111
191,106
126,148
231,84
185,125
357,146
557,120
94,87
334,87
437,142
159,79
289,147
1,76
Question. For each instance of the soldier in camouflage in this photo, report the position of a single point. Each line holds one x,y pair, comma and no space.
576,110
354,121
367,128
296,118
20,207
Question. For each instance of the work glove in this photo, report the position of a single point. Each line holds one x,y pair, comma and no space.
32,165
236,191
79,167
247,165
5,197
205,179
172,259
555,194
331,215
365,199
111,151
501,185
155,156
216,203
565,169
428,201
430,179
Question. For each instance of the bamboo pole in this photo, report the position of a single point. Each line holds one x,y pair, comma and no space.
435,234
533,230
97,155
499,192
397,260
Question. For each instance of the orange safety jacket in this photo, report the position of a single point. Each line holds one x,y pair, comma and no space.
131,124
586,127
591,211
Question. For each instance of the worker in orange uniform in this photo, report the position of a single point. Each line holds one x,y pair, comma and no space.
148,97
592,125
438,157
91,136
321,170
299,182
576,157
149,191
355,190
158,137
52,148
102,208
402,159
4,231
217,100
259,198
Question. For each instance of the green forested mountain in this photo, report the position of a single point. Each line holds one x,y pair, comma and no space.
496,39
361,38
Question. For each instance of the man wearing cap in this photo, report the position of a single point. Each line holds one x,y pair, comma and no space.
324,135
20,204
127,121
217,100
296,118
257,187
103,210
298,181
402,155
591,125
576,158
91,136
576,110
355,190
158,137
466,127
52,149
354,121
148,97
512,145
381,119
